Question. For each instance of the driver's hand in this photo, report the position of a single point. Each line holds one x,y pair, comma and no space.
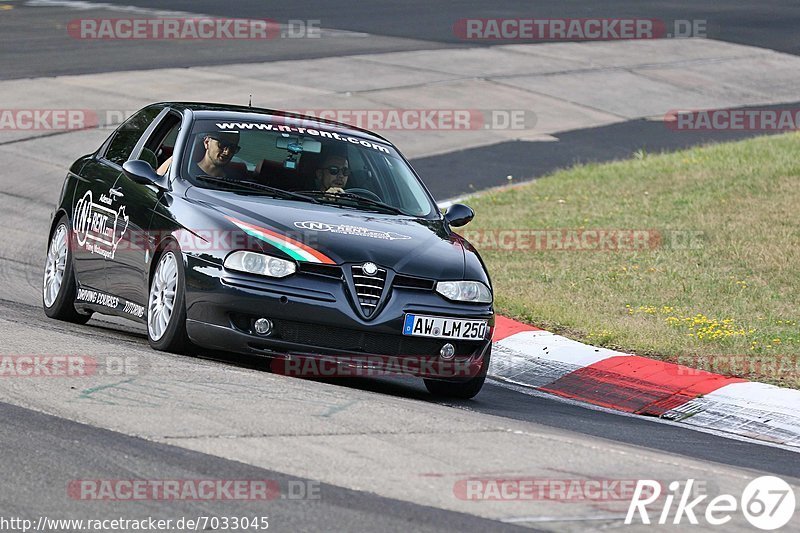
335,190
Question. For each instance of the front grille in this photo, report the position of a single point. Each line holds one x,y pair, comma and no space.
354,341
368,289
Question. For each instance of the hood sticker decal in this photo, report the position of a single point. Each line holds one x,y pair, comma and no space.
345,229
296,249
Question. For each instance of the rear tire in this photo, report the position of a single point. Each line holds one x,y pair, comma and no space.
461,389
59,288
166,303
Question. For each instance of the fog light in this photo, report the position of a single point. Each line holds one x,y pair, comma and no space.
447,351
263,326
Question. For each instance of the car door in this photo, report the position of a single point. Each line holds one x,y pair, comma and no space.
100,212
127,273
88,223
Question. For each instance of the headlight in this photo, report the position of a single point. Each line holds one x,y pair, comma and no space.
465,291
264,265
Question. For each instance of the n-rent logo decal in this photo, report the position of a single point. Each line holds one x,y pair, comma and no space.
357,231
99,228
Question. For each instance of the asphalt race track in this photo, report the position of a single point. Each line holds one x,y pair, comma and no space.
351,455
30,48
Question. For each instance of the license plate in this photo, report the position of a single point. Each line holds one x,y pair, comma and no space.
444,328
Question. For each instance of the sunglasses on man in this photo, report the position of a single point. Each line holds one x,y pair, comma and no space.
334,170
227,146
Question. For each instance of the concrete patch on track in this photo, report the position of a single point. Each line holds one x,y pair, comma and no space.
750,409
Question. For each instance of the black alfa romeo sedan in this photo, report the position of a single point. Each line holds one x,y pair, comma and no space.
268,233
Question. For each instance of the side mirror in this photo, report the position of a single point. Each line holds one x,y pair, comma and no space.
458,215
141,172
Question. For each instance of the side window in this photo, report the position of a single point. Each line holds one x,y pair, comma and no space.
167,147
161,144
363,174
126,137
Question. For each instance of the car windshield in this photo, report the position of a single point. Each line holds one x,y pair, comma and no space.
328,166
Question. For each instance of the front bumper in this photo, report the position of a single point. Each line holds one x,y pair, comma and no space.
315,319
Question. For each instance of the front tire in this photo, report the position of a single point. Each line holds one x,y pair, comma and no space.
166,303
463,390
59,288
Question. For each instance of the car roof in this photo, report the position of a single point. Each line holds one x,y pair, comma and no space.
236,113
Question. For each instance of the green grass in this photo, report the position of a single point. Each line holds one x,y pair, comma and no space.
727,296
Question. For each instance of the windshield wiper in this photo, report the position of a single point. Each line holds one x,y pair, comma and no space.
358,199
253,186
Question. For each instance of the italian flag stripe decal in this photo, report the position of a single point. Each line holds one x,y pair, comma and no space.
296,249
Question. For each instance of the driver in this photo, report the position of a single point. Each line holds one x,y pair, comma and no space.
332,174
220,148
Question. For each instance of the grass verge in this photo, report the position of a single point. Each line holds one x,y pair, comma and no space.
699,263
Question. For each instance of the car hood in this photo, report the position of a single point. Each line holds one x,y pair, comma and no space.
328,234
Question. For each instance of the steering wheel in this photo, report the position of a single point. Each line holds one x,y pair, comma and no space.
366,193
